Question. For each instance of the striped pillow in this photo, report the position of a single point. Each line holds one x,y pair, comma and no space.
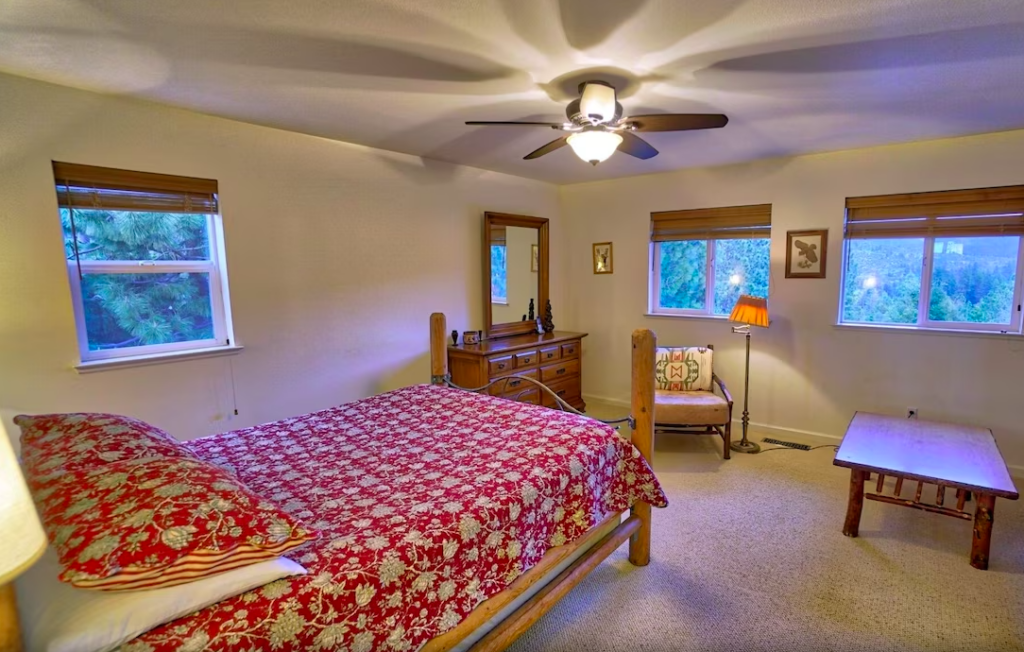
139,525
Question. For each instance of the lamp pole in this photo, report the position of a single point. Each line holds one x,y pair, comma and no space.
744,445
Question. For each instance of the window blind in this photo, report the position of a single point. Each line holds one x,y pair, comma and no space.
753,221
84,187
950,213
497,235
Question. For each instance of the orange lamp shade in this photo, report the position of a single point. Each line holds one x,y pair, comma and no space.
750,310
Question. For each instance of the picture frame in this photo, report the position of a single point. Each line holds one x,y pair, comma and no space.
603,262
806,253
534,258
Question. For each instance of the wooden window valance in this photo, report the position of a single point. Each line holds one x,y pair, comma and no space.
950,213
753,221
86,187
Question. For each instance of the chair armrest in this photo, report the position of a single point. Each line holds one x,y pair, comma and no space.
721,385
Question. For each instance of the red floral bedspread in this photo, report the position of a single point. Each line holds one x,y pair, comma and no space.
429,500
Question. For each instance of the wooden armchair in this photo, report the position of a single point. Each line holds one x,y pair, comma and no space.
684,396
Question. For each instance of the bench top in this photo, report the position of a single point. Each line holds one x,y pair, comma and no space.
959,456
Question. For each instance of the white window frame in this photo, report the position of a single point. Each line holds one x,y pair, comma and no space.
707,311
925,296
214,268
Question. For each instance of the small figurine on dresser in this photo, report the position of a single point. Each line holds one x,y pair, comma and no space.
529,316
455,337
549,320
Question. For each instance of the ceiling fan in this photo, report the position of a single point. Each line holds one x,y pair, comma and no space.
596,126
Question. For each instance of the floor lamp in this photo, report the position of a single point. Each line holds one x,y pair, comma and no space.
748,311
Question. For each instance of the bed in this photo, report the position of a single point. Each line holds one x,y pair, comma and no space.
449,520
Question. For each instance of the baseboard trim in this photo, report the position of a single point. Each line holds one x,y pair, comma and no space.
781,432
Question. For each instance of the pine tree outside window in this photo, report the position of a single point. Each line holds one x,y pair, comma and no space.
702,260
948,260
144,258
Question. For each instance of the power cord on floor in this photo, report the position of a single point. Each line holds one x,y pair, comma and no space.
812,448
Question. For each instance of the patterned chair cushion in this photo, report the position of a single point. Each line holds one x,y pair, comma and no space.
55,445
134,525
683,369
690,409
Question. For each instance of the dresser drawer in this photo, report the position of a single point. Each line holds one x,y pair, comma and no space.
571,350
500,366
550,354
525,359
563,369
513,385
525,395
565,389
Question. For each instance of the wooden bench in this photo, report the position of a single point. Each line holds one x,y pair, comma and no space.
949,456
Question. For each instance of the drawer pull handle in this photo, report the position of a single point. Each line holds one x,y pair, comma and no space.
515,383
560,371
561,393
501,365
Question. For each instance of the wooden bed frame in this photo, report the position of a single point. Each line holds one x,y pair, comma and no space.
636,527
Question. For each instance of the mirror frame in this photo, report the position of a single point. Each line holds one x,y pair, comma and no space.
494,331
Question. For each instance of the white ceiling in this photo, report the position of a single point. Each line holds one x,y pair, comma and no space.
794,76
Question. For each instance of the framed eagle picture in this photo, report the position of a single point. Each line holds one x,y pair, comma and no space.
806,253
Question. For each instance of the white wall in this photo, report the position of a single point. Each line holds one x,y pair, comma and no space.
806,374
337,254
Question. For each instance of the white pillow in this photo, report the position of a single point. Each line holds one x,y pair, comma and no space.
57,617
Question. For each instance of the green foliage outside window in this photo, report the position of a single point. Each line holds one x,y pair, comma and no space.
973,280
499,274
741,266
126,310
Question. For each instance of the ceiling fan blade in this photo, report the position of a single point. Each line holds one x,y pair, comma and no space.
546,149
636,146
677,121
553,125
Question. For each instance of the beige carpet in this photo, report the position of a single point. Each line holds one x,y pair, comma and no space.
749,556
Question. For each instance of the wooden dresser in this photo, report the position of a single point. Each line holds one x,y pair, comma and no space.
553,358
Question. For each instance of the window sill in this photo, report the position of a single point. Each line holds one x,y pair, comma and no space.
694,316
888,328
93,366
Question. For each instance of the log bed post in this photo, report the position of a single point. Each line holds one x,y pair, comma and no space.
438,348
642,404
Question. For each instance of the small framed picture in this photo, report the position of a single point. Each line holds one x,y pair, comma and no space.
534,258
602,258
806,253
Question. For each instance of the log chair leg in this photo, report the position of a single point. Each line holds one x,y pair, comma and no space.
853,509
984,514
728,438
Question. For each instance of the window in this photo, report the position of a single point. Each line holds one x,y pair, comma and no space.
703,260
144,259
499,267
944,260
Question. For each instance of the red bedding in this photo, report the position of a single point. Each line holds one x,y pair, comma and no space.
429,501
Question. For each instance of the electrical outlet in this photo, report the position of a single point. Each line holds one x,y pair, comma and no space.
912,413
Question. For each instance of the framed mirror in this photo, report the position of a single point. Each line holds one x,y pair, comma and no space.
515,271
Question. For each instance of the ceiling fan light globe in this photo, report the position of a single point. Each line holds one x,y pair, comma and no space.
594,146
598,102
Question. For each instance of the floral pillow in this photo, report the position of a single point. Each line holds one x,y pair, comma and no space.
54,445
132,525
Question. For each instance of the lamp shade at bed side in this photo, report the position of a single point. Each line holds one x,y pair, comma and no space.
22,540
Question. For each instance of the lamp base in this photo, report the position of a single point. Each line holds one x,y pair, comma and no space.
745,447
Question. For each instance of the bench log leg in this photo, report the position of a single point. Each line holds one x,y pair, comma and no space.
983,516
853,509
